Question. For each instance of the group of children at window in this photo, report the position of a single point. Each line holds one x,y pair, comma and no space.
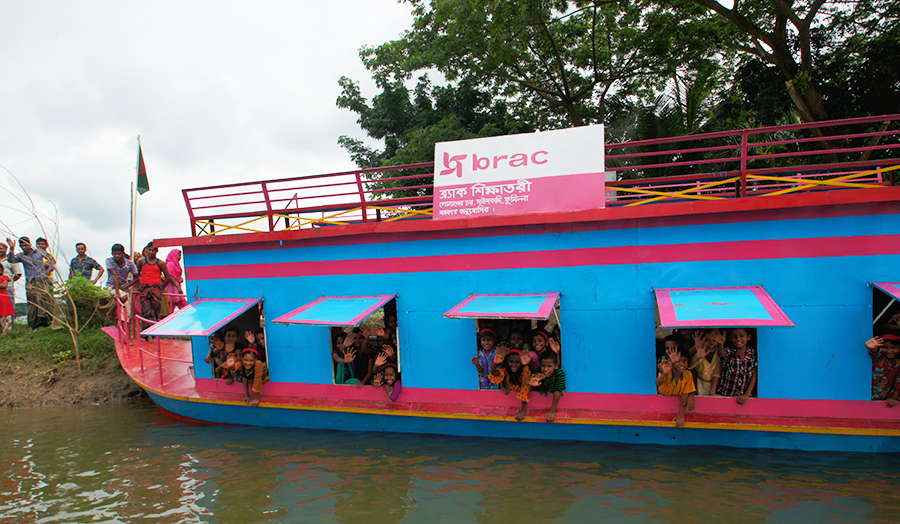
514,365
242,359
366,356
724,362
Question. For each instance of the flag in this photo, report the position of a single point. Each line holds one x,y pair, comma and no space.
143,185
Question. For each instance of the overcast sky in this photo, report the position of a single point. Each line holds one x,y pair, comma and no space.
219,91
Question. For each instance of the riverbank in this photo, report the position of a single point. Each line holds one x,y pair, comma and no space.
39,369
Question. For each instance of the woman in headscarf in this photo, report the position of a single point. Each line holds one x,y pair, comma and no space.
173,263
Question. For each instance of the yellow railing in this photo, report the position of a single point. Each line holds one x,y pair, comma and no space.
212,228
801,185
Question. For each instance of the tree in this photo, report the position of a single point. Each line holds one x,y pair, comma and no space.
557,63
794,35
410,123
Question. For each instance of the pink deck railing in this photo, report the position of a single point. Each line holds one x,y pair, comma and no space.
129,327
840,154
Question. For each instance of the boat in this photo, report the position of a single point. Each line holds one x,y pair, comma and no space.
792,232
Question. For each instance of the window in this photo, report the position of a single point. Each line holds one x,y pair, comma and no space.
526,322
371,323
718,318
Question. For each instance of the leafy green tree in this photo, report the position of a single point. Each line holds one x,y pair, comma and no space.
410,123
558,63
795,35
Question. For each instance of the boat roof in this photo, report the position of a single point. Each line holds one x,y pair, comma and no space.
724,173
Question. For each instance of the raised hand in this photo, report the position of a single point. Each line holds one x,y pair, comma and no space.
718,336
500,354
377,381
379,332
348,341
554,345
700,347
665,367
672,355
388,349
381,359
349,356
229,361
535,380
478,365
875,343
526,358
366,332
11,244
251,338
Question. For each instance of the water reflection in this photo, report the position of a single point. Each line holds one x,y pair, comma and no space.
131,464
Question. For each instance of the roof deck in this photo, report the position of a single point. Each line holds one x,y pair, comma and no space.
727,166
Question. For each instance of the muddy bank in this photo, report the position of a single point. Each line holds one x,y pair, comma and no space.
27,384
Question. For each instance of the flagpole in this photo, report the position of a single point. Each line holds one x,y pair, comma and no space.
134,200
131,222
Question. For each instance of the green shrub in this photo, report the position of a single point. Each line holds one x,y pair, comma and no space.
86,298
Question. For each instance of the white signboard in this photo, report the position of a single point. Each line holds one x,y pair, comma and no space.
518,174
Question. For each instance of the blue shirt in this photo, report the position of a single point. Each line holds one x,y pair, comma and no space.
84,268
32,262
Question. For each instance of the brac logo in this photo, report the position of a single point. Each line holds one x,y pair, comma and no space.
454,164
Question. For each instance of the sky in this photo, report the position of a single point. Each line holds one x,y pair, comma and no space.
219,92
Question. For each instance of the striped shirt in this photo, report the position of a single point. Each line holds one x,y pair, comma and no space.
553,383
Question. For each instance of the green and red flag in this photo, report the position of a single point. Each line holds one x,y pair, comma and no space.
143,185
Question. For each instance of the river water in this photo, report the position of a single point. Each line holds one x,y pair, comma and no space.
130,463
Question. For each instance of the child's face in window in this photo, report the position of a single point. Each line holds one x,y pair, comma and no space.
671,345
548,366
339,341
516,339
739,338
231,336
514,362
890,349
249,360
487,342
539,343
390,376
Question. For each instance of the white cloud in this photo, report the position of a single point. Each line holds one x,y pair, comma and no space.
220,92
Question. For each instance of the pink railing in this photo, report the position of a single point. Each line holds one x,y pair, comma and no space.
859,152
129,327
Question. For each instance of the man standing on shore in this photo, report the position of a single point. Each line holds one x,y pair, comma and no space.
83,265
37,285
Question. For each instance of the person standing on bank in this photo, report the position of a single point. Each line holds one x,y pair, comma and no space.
83,265
153,277
13,271
37,284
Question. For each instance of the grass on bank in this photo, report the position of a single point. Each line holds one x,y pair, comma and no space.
45,346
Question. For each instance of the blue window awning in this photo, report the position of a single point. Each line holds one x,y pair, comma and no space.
201,317
335,311
532,305
747,306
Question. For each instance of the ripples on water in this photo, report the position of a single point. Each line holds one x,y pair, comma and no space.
129,463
